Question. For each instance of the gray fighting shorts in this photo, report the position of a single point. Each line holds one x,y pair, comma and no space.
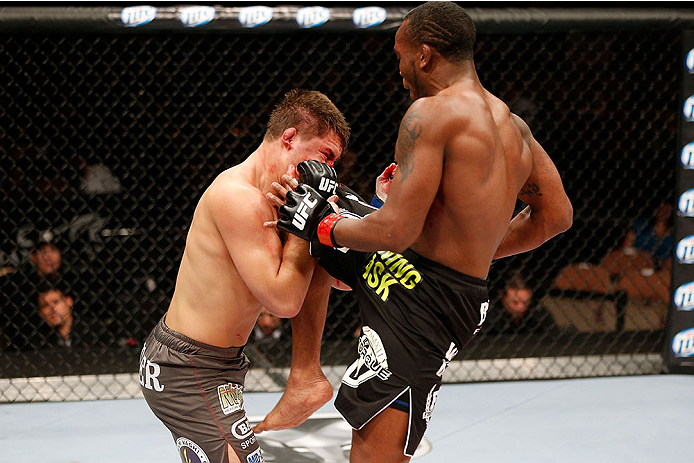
196,390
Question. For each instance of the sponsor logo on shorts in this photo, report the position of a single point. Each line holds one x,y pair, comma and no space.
149,373
248,442
241,429
685,250
190,452
230,397
372,362
683,343
256,457
385,269
368,16
689,62
687,156
683,299
134,16
194,16
688,109
685,205
431,403
312,16
254,16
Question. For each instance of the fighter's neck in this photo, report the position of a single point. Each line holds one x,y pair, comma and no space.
265,166
450,76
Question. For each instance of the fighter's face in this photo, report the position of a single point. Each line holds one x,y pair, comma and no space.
406,53
326,149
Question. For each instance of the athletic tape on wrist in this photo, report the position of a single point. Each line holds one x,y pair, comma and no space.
325,230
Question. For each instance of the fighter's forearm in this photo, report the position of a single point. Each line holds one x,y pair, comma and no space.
292,279
527,231
374,232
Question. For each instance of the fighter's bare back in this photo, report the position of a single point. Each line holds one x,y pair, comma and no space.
486,162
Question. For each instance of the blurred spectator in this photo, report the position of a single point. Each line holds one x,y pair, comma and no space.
55,309
18,316
60,324
647,245
641,267
46,260
267,329
519,314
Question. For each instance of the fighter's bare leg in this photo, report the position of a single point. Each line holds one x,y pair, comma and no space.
307,387
233,458
381,440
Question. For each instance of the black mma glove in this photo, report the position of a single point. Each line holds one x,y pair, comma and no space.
321,177
308,214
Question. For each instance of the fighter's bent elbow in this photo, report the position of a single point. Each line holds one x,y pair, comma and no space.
564,219
284,309
398,240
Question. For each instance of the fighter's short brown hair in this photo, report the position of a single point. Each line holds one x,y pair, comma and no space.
310,112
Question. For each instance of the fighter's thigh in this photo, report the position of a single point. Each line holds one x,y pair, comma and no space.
233,458
382,439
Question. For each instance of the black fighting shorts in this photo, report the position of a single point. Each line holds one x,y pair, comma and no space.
196,390
416,316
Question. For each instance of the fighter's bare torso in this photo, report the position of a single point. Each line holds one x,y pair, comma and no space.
485,163
209,290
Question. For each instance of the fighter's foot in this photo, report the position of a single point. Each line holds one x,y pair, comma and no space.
301,398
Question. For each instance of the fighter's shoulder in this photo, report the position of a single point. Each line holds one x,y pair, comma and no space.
229,192
437,112
522,126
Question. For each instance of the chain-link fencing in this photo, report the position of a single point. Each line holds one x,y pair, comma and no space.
107,142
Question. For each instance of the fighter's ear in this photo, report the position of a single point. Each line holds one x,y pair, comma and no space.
426,54
288,136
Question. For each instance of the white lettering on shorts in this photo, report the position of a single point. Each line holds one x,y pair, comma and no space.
241,429
149,373
248,442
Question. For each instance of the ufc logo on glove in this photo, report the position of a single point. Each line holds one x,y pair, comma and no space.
299,220
327,185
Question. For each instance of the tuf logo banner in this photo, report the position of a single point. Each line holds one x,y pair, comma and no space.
230,397
679,356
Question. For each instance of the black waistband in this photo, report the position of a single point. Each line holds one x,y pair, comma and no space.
443,272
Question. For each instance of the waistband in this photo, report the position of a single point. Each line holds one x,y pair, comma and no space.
450,276
186,345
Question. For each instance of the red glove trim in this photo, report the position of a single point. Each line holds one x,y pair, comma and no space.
325,229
